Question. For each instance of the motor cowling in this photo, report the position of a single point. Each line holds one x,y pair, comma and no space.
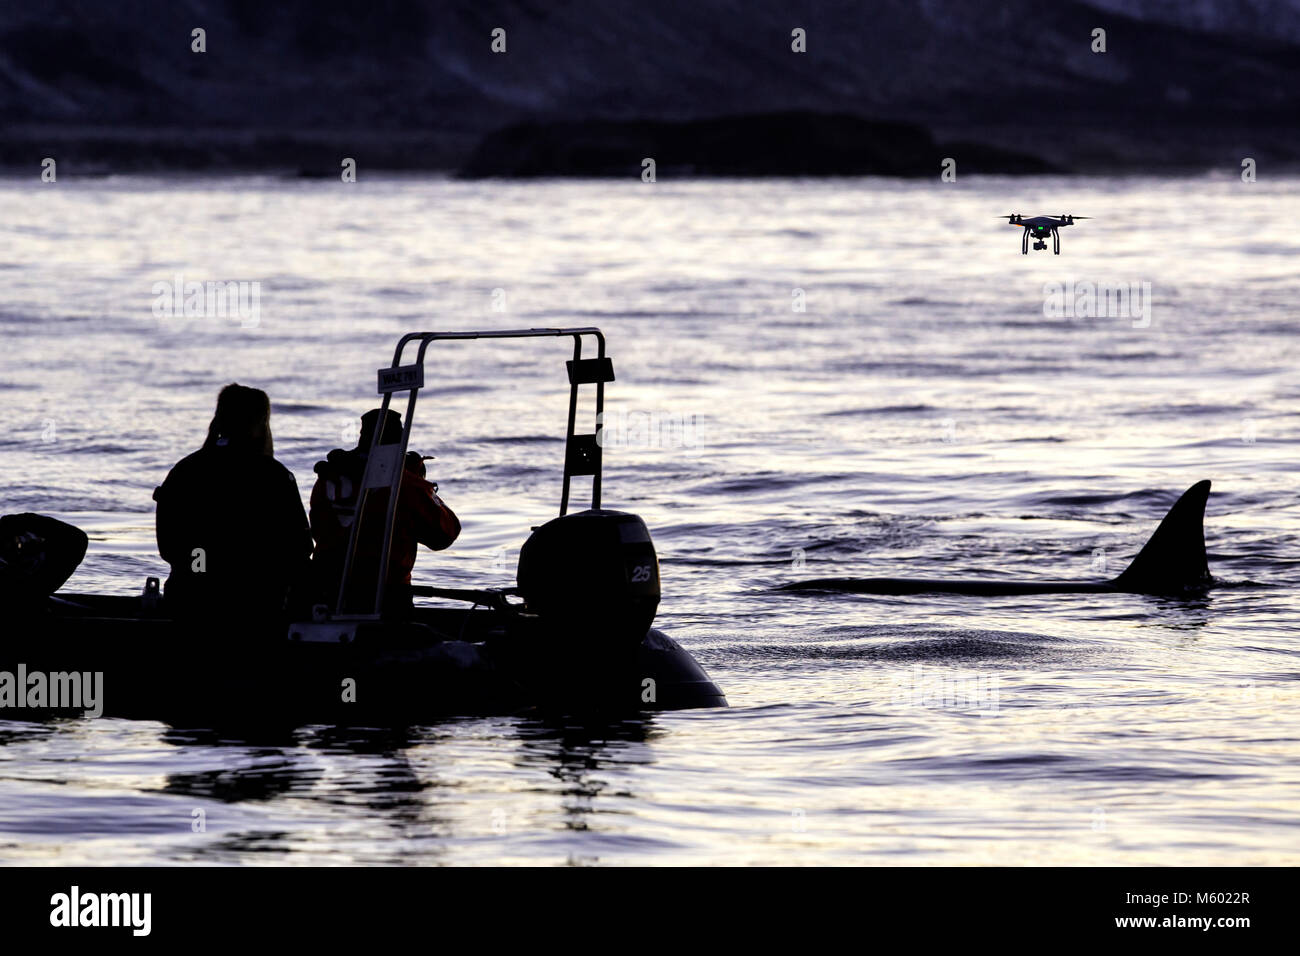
37,556
592,575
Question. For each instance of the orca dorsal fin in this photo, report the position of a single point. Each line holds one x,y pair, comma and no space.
1173,559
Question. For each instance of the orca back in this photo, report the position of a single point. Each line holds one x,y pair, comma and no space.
1172,562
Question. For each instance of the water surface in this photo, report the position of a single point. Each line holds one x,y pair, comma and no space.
921,416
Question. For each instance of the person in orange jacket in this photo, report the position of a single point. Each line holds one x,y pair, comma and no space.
421,518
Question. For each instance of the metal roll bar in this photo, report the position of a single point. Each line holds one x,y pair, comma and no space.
385,464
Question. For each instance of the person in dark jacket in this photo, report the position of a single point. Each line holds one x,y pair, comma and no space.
421,518
230,521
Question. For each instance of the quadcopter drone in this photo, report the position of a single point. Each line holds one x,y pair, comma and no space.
1040,227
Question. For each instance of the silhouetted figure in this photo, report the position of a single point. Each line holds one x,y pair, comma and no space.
230,521
421,518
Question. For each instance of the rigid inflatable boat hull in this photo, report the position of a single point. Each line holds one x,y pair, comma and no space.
446,662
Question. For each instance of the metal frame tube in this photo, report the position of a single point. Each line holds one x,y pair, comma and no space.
395,485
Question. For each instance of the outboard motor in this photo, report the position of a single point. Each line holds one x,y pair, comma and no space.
37,555
592,576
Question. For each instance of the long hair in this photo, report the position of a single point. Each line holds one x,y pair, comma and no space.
242,420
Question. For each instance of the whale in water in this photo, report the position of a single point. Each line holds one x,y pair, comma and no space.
1172,562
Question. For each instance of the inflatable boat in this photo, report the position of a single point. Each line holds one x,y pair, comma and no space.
574,636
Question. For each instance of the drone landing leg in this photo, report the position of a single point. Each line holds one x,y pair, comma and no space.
1056,243
1024,242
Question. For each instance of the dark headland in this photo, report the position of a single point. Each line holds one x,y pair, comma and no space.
771,144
